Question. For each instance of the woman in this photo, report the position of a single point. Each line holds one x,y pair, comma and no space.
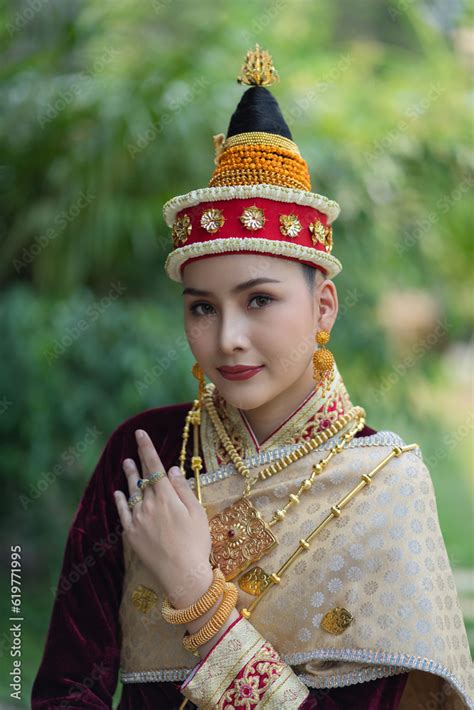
306,567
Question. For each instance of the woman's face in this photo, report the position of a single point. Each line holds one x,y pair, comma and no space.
231,319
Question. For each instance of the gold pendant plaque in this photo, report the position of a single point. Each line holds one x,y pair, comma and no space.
239,537
336,620
255,581
144,598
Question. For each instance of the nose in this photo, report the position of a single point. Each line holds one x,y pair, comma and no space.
232,333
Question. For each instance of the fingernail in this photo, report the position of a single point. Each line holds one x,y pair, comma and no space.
140,433
175,471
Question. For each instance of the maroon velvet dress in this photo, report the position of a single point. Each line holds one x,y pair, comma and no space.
81,659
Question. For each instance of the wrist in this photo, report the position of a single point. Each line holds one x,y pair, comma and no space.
183,596
204,649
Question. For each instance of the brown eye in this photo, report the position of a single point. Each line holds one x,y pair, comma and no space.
266,299
195,306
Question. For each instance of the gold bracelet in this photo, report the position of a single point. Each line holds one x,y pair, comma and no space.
192,641
200,607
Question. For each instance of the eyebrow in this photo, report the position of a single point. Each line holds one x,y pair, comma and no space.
240,287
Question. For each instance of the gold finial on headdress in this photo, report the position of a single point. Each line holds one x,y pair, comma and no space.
258,69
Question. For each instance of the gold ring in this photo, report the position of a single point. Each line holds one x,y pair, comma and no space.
156,476
133,500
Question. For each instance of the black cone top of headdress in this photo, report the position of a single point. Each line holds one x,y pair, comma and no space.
258,110
259,148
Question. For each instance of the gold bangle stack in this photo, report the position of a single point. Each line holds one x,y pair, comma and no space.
191,642
200,607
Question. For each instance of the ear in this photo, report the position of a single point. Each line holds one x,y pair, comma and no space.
327,304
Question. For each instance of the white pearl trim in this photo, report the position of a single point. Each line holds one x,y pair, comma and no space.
242,192
237,244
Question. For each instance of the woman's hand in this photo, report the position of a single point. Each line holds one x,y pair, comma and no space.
169,529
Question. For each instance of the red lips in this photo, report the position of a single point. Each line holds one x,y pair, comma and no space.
239,372
238,368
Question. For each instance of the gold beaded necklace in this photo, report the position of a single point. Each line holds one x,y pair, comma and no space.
258,582
305,448
239,534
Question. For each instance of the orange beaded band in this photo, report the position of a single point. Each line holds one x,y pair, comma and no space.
192,641
261,155
261,163
257,148
200,607
255,177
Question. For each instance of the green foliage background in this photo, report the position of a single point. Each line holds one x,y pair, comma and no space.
108,110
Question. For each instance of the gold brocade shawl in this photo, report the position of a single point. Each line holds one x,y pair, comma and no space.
384,560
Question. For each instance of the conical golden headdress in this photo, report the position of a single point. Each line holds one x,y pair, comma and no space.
259,197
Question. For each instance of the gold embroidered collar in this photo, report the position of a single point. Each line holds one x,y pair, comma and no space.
314,413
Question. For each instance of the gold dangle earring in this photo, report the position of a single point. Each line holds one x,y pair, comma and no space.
323,362
199,375
194,417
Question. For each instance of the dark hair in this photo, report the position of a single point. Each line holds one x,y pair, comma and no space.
310,274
